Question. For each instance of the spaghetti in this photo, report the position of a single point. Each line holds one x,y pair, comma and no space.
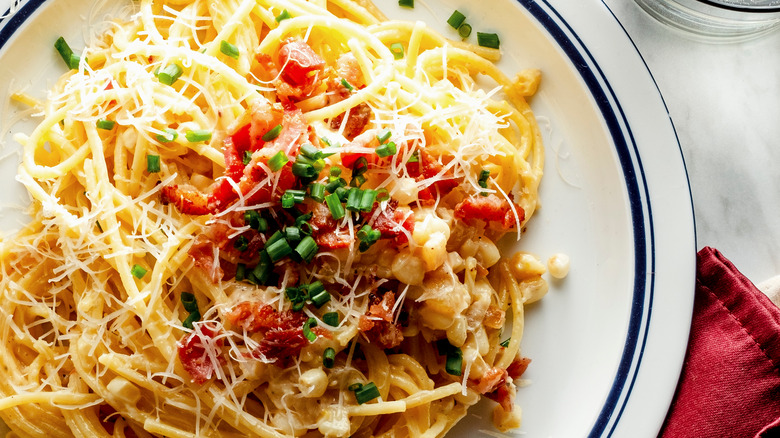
270,218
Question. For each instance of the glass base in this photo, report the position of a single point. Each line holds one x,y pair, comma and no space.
711,23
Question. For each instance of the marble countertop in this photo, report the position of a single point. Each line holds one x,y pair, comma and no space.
724,100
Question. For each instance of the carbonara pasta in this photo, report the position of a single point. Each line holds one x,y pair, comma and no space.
270,218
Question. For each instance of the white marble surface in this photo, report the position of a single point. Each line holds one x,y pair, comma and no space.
724,100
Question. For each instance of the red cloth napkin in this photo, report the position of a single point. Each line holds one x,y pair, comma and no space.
730,382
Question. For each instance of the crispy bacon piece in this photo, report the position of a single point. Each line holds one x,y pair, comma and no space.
325,229
194,356
279,346
246,177
427,167
518,367
504,396
491,209
301,70
254,317
357,120
392,222
377,324
494,317
493,379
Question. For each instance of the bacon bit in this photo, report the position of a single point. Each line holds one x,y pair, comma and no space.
503,396
493,379
518,367
255,317
301,69
281,344
392,222
193,354
427,167
204,253
491,209
325,229
348,68
494,318
359,117
377,323
186,198
294,132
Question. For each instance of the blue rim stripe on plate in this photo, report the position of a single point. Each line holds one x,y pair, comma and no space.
13,21
644,241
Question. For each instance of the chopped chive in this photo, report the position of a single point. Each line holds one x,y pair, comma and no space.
384,136
292,234
317,192
247,157
294,294
360,167
505,343
138,271
397,49
241,243
335,171
357,181
274,237
368,392
382,195
320,299
71,59
106,124
169,74
278,250
329,357
272,133
489,40
310,151
415,158
262,272
304,170
292,197
152,163
283,16
307,249
355,386
331,318
335,184
353,200
198,135
307,333
464,30
367,200
483,178
347,85
189,302
278,161
255,221
454,364
192,317
229,49
342,193
334,205
386,150
456,19
168,135
240,271
406,3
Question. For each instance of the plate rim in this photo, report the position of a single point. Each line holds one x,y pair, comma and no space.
565,37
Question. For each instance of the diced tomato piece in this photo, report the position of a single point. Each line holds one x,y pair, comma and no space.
299,62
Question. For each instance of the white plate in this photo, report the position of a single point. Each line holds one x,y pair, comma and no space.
607,342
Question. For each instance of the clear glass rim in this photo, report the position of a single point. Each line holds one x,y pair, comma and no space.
741,8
